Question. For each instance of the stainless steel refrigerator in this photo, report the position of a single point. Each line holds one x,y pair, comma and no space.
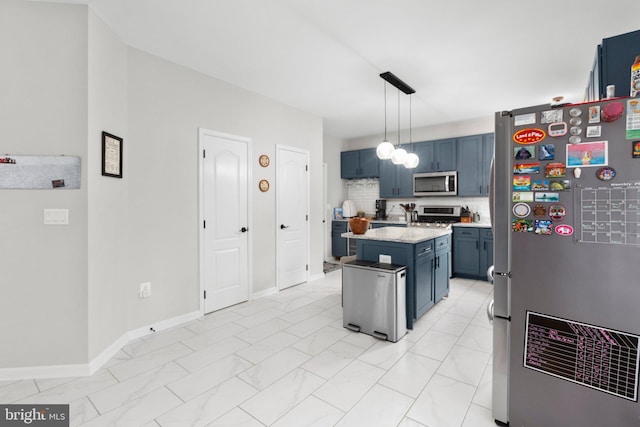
566,313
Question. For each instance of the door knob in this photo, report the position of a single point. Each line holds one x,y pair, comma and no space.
282,226
244,229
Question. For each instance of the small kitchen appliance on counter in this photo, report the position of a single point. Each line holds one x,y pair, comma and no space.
439,216
381,209
349,209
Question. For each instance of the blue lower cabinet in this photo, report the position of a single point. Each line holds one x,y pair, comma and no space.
422,271
472,252
338,243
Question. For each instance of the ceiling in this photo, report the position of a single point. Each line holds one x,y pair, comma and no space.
465,58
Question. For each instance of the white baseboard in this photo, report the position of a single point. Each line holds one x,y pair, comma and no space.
316,277
87,369
264,293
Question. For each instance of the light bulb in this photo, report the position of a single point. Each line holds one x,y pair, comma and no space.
411,161
384,150
398,156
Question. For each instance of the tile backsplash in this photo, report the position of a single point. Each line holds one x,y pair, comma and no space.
364,193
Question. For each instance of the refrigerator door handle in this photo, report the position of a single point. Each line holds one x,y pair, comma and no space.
490,312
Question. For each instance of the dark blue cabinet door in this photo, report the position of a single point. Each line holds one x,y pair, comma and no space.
349,164
470,165
618,54
388,187
424,151
441,275
369,163
404,181
445,155
424,283
486,251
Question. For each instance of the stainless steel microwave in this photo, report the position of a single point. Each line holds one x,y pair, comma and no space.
435,184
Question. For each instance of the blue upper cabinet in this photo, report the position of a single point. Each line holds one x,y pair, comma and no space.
396,181
474,163
359,164
436,156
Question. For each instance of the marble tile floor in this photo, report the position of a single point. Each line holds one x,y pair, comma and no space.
286,360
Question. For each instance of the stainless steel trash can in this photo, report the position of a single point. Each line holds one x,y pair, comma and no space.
374,299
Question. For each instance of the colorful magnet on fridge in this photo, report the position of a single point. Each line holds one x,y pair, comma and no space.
524,152
539,211
529,136
522,168
522,196
557,212
521,210
563,229
557,129
635,149
540,185
522,183
594,114
543,227
560,185
554,170
606,173
546,197
522,225
546,152
612,112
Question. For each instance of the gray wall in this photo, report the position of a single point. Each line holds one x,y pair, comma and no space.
43,110
69,292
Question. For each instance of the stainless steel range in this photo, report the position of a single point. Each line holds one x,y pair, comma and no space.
438,216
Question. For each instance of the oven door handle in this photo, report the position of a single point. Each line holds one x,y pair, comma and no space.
446,184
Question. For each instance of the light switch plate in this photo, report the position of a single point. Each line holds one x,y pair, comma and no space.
56,216
384,259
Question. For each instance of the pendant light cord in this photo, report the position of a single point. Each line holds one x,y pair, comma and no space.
399,144
385,110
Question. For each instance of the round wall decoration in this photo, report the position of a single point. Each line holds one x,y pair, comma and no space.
263,185
264,160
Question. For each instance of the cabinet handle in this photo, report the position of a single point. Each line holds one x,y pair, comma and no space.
485,246
438,165
477,245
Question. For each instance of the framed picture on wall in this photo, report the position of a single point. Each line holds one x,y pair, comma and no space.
111,155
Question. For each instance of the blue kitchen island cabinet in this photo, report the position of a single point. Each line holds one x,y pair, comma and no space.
423,251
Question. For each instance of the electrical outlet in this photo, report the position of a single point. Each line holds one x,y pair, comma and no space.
145,290
384,259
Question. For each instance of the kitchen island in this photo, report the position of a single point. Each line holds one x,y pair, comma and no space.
425,252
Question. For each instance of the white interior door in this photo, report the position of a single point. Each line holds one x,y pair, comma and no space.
292,216
225,213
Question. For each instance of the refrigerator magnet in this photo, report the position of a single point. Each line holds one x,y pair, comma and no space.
594,131
522,225
523,168
557,129
612,112
554,170
557,212
539,211
540,185
524,153
522,196
543,227
594,114
529,136
551,116
606,173
560,185
522,183
521,210
547,152
546,197
563,229
635,150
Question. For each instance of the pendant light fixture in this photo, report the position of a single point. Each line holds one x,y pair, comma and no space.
385,148
399,154
412,160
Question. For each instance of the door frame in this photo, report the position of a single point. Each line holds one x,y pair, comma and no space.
308,204
201,133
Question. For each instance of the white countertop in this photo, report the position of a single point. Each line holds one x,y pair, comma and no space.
400,234
481,224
